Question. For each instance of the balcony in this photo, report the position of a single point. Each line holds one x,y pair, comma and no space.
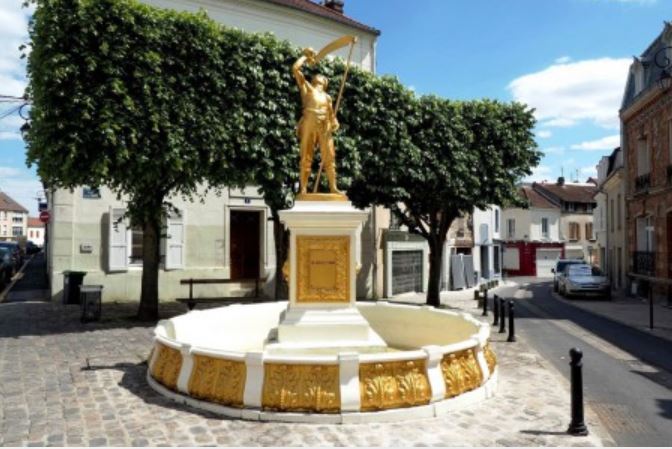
644,262
642,183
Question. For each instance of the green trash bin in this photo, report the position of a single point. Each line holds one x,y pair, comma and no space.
72,280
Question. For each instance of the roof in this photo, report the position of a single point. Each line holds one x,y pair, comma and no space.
535,199
34,222
322,11
7,203
568,192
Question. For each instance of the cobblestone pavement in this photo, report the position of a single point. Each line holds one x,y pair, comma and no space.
63,383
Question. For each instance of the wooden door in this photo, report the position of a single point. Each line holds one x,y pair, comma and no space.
245,244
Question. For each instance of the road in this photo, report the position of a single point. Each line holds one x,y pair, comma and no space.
627,374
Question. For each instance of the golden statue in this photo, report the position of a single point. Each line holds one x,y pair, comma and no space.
318,121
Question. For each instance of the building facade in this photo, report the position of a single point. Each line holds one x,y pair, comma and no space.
532,236
646,140
487,253
35,231
611,218
228,236
13,219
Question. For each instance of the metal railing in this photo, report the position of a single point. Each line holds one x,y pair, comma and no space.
644,262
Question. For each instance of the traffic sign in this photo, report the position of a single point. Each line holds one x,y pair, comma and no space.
44,216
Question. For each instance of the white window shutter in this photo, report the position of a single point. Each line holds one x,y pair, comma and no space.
175,239
117,241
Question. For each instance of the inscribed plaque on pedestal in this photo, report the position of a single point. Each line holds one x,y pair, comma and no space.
323,268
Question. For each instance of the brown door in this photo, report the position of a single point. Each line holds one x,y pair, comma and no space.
244,240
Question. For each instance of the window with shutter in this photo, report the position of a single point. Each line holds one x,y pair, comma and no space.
118,240
175,240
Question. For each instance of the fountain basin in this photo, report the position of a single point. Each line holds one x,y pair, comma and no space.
216,360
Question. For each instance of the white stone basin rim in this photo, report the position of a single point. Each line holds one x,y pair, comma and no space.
187,364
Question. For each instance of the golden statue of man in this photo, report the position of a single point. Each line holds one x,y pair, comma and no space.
317,124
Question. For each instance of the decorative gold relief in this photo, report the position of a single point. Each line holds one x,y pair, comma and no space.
303,388
386,385
490,357
323,268
218,380
461,372
167,366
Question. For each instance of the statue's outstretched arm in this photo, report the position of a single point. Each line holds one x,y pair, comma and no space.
307,56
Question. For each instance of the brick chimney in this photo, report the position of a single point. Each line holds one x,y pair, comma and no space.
336,5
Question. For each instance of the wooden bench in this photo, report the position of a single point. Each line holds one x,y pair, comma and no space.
191,302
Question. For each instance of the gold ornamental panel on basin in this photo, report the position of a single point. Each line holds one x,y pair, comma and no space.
167,366
490,357
461,372
323,268
218,380
301,388
386,385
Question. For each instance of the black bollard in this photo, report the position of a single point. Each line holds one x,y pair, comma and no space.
495,309
502,315
485,302
512,329
577,427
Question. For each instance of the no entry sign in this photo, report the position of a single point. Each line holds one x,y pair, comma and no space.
44,216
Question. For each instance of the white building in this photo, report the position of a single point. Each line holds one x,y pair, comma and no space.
223,237
487,253
13,219
35,231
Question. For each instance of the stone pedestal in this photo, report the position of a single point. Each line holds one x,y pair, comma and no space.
323,258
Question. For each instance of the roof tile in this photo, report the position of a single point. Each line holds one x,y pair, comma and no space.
7,203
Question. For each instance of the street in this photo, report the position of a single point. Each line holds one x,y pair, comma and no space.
627,373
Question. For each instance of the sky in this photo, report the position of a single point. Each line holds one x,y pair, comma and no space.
568,59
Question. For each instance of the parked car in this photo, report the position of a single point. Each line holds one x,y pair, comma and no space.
17,254
559,270
582,279
6,266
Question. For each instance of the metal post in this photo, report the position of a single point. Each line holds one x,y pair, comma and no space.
495,309
512,330
502,315
485,302
650,306
577,426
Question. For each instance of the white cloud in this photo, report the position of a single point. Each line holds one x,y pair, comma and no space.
10,135
562,60
605,143
540,173
544,134
589,170
568,93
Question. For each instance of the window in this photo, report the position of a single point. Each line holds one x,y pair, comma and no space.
511,228
544,227
645,234
570,207
17,219
643,157
618,211
589,207
17,231
496,220
135,257
574,231
589,231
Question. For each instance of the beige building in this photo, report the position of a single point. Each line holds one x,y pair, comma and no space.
576,204
13,219
611,185
227,236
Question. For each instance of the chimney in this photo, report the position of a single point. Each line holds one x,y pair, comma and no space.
561,181
335,5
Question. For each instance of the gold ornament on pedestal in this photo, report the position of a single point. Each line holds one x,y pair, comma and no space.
318,121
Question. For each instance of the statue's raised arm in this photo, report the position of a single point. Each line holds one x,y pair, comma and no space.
309,57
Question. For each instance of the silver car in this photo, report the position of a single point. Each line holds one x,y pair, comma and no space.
582,279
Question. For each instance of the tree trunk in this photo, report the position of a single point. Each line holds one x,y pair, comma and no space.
434,284
281,237
149,298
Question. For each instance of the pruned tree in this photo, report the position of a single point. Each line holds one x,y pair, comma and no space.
460,155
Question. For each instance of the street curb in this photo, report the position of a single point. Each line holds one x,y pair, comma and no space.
5,292
613,320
